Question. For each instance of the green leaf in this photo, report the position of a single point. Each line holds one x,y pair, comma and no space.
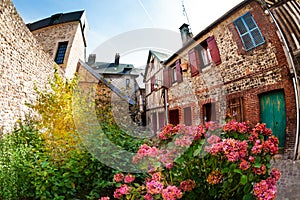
244,179
248,188
239,171
225,170
197,151
248,197
257,165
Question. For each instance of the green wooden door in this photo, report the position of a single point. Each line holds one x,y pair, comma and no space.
272,112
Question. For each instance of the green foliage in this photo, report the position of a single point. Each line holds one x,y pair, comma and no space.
45,159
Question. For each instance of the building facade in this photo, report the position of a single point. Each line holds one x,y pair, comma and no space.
63,37
156,96
238,69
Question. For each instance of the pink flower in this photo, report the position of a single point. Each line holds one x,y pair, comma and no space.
199,132
187,185
265,190
262,129
171,193
271,145
104,198
156,176
261,170
251,159
154,187
213,139
244,165
275,173
123,190
129,178
148,197
167,132
184,141
118,177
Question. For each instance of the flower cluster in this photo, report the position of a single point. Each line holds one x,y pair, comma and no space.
104,198
118,177
187,185
154,187
123,190
167,132
266,189
145,151
234,126
171,193
244,165
214,177
231,148
129,178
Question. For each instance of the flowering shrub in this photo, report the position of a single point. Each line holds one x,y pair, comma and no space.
205,162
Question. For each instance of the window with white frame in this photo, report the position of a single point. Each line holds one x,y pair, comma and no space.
249,32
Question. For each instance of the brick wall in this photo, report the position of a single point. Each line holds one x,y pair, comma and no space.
23,63
245,74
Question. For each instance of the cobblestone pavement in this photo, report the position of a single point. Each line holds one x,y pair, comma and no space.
289,184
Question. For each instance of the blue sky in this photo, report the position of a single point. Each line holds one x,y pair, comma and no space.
110,18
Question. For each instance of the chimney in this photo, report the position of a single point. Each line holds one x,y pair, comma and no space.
117,59
186,35
91,59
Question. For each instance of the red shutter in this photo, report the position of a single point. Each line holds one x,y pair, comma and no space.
166,78
152,83
178,71
193,62
214,50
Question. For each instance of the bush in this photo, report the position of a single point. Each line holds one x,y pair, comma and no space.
211,162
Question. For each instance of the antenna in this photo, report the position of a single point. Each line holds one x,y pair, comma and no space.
185,14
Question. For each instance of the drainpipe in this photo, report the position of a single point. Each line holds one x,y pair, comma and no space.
166,104
295,80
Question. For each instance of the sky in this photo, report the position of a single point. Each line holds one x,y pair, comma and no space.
118,20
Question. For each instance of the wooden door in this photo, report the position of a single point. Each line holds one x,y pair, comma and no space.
273,113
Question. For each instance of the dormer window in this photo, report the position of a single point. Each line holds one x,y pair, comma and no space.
61,51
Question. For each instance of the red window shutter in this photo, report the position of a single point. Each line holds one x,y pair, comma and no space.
193,62
152,83
214,50
178,71
167,76
187,113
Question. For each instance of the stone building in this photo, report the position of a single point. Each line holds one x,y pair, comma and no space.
123,79
63,37
155,94
237,68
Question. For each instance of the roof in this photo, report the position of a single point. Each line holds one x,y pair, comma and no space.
58,18
207,29
111,86
140,79
159,55
112,68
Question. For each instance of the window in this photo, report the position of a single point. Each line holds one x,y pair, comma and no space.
127,83
204,54
249,31
235,109
187,113
209,112
176,72
152,83
61,51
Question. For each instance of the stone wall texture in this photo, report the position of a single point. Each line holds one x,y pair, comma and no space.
70,32
241,74
23,63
